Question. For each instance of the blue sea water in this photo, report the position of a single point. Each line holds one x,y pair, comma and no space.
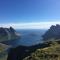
28,37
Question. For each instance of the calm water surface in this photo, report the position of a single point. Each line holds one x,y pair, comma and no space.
28,37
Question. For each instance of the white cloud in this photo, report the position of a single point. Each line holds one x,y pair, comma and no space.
33,25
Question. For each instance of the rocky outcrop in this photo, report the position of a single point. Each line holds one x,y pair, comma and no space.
53,32
7,34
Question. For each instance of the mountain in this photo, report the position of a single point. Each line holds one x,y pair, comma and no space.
48,50
8,34
52,33
48,53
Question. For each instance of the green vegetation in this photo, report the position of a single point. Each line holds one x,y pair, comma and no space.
4,57
49,53
3,47
3,52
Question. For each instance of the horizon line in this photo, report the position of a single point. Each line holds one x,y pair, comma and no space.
30,25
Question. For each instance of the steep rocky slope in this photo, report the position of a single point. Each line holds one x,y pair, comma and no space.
8,34
53,32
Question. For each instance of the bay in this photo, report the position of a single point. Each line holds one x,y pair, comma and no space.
29,37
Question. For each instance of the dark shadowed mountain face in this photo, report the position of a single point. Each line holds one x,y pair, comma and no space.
2,32
53,32
7,34
12,30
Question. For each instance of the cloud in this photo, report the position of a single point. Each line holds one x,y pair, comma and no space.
32,25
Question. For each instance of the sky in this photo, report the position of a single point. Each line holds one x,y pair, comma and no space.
25,14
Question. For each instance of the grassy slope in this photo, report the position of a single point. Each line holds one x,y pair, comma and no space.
48,53
4,57
3,52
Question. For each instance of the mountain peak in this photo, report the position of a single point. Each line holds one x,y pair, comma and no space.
53,32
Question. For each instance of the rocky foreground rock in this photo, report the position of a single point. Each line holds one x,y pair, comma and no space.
52,33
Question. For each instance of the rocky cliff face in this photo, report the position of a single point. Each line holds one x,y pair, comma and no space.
53,32
7,34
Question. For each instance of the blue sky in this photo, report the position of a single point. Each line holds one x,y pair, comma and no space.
28,11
